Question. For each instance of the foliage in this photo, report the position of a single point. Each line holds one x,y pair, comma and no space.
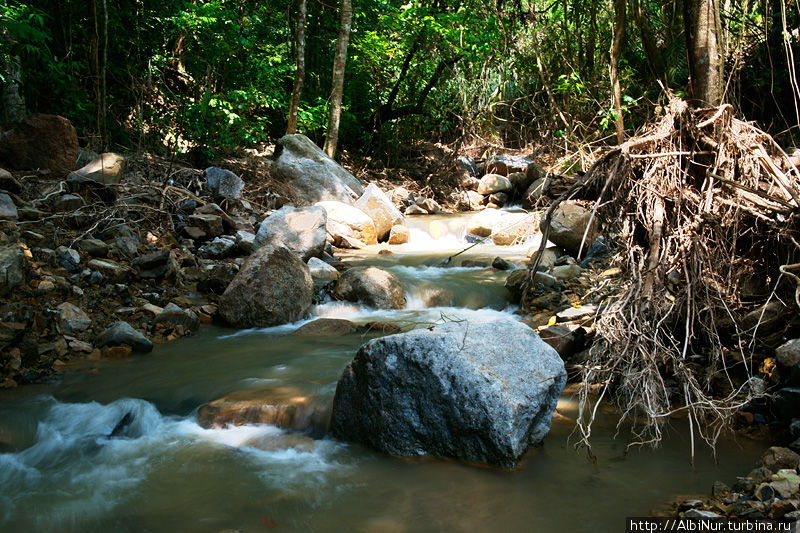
217,75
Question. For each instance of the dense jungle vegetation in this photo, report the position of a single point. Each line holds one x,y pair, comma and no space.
204,78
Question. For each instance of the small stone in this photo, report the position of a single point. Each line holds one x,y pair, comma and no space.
501,264
223,183
120,333
69,259
93,247
493,183
72,319
567,272
219,248
699,513
106,171
80,346
244,240
321,272
108,270
415,210
8,182
719,488
431,206
210,225
777,458
154,265
68,202
504,239
398,234
499,199
45,286
117,352
788,354
8,211
186,318
690,504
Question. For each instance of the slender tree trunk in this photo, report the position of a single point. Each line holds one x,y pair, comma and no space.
103,98
648,43
703,31
613,67
300,66
13,100
332,138
591,40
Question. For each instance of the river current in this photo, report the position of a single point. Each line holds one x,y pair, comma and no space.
62,470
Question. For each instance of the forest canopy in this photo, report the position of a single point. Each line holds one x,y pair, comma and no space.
208,77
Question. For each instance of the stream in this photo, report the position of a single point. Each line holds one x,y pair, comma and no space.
61,471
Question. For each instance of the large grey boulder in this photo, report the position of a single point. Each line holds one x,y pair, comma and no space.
371,286
568,225
301,230
12,262
478,390
273,287
313,175
223,183
380,209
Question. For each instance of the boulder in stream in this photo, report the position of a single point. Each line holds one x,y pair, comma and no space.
380,209
568,226
284,407
273,287
481,390
301,230
348,222
371,286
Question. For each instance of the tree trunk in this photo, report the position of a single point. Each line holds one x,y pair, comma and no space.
613,67
332,138
703,31
13,100
648,43
300,66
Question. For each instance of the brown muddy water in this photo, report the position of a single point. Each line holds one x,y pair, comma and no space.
60,470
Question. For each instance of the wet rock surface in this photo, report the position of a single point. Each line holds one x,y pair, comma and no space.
273,287
371,286
451,391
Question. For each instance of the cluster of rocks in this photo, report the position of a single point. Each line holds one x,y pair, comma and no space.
500,180
769,491
77,280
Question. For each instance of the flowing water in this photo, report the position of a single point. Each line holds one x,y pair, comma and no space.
62,470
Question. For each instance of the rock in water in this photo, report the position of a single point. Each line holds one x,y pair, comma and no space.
372,286
273,287
482,391
41,142
301,230
382,211
313,175
568,226
344,220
